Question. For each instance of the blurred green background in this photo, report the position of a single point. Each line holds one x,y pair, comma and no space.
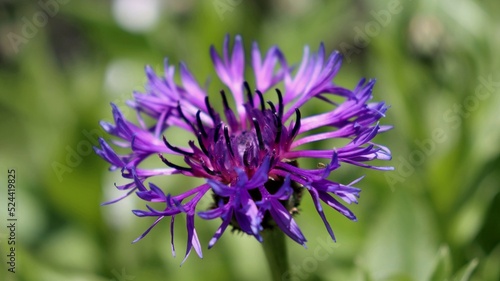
434,218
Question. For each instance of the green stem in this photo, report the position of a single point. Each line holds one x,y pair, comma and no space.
276,252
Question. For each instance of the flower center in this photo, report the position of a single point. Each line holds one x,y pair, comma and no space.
243,149
246,142
242,144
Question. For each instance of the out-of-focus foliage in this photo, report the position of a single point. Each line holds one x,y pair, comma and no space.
434,218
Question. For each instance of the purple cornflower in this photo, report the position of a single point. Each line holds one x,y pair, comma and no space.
249,157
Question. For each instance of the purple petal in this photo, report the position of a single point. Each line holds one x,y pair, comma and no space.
148,230
336,205
261,175
285,222
220,189
219,232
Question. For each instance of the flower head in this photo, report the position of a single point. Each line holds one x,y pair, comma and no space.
249,156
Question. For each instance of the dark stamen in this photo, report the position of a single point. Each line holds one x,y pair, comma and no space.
246,160
280,104
296,127
249,93
172,165
259,134
279,127
262,104
271,105
224,99
210,110
200,124
201,163
202,146
216,132
184,117
210,172
228,140
176,149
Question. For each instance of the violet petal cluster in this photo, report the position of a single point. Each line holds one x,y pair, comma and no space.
248,153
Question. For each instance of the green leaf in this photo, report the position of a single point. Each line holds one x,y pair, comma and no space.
400,277
402,239
442,268
489,269
465,273
469,218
